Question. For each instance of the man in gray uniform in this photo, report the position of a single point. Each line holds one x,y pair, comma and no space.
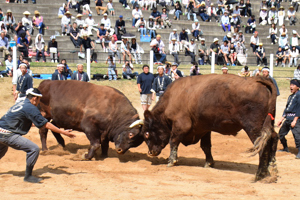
291,115
80,75
24,83
17,122
160,83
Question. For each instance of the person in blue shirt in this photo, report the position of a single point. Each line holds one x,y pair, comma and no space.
23,45
291,115
4,44
17,122
156,16
144,82
102,35
250,27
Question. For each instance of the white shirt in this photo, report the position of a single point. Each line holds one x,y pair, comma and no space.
173,48
254,40
79,22
196,27
294,54
137,13
109,5
26,21
160,44
272,14
89,21
294,41
106,23
289,12
65,20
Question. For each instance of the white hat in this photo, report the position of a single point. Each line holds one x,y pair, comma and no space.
30,91
216,39
202,39
105,14
26,13
224,68
85,25
174,29
294,32
60,65
196,20
160,66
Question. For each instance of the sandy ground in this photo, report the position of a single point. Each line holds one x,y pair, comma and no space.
137,176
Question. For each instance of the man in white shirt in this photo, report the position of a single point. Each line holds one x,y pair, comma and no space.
66,23
254,41
175,35
273,16
174,49
292,16
91,23
225,52
196,31
294,40
79,21
211,12
136,14
190,49
158,47
18,74
106,22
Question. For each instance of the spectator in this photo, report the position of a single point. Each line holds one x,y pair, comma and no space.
224,70
111,61
125,5
195,70
136,14
110,7
235,22
84,31
248,9
144,4
190,10
62,10
113,49
203,52
67,72
225,52
174,49
263,16
58,74
241,38
27,22
136,51
9,65
125,49
281,15
74,4
175,35
190,49
152,4
157,18
24,83
196,31
9,21
144,83
280,57
99,7
79,21
87,43
227,37
91,23
158,47
52,49
292,16
3,29
4,45
273,16
272,3
141,25
151,27
295,4
232,54
74,35
251,25
294,40
294,54
80,75
86,6
202,12
261,55
120,27
106,22
38,21
257,72
283,30
165,19
23,45
266,73
254,41
102,36
178,10
287,54
225,22
297,73
20,29
273,34
211,11
245,72
183,38
128,71
237,12
215,48
175,73
40,47
160,83
283,41
66,23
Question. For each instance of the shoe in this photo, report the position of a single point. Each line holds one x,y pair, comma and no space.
127,8
52,61
275,40
142,8
28,176
228,64
128,77
104,49
156,63
233,65
55,61
258,65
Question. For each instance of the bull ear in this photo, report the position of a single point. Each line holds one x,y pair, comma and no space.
148,115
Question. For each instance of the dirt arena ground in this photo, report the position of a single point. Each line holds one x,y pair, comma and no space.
137,176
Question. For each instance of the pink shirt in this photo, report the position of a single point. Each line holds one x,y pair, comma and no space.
37,20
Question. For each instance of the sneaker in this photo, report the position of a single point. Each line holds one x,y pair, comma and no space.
127,8
142,8
275,40
228,64
258,65
52,61
128,77
233,65
104,49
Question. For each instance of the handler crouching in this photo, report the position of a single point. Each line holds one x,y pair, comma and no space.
291,114
17,122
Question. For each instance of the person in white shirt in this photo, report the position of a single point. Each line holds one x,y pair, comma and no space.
113,48
294,40
158,47
196,31
125,49
283,30
211,12
225,22
136,15
175,35
294,53
79,21
292,16
110,7
273,16
225,51
84,31
263,16
66,23
281,15
106,22
174,49
151,27
190,49
273,34
27,22
91,23
9,65
254,41
141,25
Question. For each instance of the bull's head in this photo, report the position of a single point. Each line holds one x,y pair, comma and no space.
131,137
156,134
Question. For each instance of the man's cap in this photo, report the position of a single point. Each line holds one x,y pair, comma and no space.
26,13
158,36
286,47
196,20
160,66
283,33
281,8
105,14
174,29
295,82
234,34
264,8
60,65
85,35
229,34
36,12
202,3
90,15
137,6
164,8
121,16
183,29
79,64
150,17
34,92
273,7
212,4
291,7
192,39
240,31
260,44
294,32
216,39
174,64
202,39
68,13
142,16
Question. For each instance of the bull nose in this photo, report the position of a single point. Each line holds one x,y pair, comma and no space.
119,150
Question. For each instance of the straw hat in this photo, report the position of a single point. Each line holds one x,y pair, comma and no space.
68,13
26,13
36,12
79,15
281,8
264,8
216,39
260,44
8,11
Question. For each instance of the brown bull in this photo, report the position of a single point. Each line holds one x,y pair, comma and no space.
192,107
103,113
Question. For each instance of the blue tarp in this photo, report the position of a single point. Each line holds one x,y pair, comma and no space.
44,76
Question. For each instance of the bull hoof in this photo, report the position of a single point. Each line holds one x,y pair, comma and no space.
172,163
209,165
84,156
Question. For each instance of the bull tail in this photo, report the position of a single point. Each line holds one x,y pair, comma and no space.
268,126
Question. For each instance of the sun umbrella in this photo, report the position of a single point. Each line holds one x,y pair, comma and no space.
128,35
231,2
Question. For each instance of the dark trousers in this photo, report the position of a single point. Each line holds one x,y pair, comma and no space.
176,60
188,53
77,42
254,47
284,130
213,15
24,50
273,38
262,60
40,52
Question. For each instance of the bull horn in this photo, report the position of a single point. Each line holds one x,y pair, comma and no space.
137,122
